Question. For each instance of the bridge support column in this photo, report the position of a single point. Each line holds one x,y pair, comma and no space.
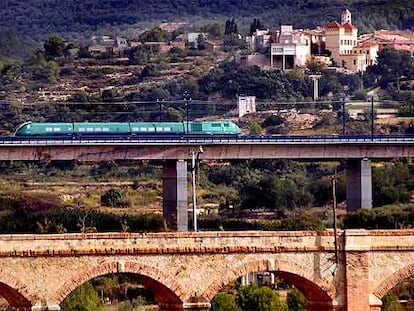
175,199
358,184
357,281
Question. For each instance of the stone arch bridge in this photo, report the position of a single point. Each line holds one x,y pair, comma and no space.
184,270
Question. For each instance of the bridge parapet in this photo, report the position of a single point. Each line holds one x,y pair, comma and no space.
162,243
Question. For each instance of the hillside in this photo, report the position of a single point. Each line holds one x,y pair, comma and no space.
41,17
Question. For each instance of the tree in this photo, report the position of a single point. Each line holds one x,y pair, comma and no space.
255,298
256,25
54,47
114,198
295,300
214,30
224,302
84,298
392,65
390,302
255,128
174,115
156,34
231,27
150,70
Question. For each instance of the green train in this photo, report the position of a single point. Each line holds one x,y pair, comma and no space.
77,129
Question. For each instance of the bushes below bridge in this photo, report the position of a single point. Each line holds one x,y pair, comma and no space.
44,214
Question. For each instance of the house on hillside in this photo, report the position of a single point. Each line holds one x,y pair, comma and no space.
191,38
292,48
402,40
338,41
341,39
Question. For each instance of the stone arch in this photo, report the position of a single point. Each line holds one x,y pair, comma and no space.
14,291
165,289
297,274
393,280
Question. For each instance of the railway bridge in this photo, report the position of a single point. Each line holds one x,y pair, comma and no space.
184,270
174,154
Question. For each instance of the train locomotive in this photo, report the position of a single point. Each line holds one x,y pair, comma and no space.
129,129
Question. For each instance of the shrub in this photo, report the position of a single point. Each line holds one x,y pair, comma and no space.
114,198
224,302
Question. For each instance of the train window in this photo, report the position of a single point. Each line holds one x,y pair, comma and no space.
98,129
49,129
167,129
226,124
81,129
143,129
56,129
105,129
215,125
89,129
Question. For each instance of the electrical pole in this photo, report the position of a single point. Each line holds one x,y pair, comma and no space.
334,219
372,118
343,116
186,99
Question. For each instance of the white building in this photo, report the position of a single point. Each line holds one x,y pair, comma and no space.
292,48
259,41
246,104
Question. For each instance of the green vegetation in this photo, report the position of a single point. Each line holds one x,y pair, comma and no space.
224,302
258,298
390,303
121,291
84,298
114,198
41,16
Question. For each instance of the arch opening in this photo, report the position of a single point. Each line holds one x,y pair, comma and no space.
11,298
290,288
127,289
400,296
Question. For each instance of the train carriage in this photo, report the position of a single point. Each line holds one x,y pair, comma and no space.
44,129
101,129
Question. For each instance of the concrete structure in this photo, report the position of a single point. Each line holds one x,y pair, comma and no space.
315,78
185,270
175,201
358,184
246,104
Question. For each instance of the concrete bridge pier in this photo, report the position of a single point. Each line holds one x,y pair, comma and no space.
358,184
175,199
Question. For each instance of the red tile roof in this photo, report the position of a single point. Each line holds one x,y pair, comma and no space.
333,24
